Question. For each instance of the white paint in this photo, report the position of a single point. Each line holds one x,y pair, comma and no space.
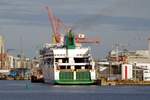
103,63
60,60
93,75
56,73
74,74
4,71
143,65
102,68
82,67
144,53
78,52
72,67
71,54
71,60
129,71
146,75
81,36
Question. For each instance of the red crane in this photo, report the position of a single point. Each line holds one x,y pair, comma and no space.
81,38
57,24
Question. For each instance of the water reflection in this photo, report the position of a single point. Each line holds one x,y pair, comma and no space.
24,90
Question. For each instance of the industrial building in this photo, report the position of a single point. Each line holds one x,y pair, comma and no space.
126,65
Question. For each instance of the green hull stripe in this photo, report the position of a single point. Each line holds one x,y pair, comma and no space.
73,82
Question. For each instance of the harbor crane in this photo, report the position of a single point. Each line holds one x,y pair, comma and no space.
57,25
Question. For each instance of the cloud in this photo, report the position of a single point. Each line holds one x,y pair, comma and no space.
129,8
119,23
113,20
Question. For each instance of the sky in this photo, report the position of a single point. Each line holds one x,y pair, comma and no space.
24,23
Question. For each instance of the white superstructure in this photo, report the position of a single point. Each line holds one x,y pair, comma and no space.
67,66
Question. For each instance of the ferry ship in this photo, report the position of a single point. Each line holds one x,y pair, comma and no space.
67,64
65,61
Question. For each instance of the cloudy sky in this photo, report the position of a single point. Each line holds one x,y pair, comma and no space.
24,23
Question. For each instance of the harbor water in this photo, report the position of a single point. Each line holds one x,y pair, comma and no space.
25,90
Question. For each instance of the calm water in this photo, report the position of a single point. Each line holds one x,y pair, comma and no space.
24,90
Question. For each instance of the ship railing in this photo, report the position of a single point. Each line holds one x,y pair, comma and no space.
73,64
66,70
82,70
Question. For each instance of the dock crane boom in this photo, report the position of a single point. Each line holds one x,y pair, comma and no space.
87,39
55,24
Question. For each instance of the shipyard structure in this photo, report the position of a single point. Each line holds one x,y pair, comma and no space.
15,67
126,66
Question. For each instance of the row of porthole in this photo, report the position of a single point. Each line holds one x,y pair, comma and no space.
82,54
65,55
59,55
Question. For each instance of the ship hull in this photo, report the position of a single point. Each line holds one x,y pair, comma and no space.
74,82
63,66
